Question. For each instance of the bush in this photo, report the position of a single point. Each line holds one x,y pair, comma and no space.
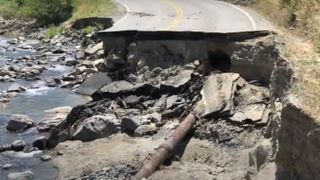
48,11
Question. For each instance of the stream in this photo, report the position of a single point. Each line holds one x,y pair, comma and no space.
33,102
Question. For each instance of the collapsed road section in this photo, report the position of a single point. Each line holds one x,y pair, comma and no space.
234,83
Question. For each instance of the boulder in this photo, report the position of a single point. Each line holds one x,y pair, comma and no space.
40,143
19,122
18,145
97,127
53,82
26,175
217,94
15,88
53,118
93,84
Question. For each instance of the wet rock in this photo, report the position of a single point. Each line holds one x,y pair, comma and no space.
26,175
53,82
18,145
53,118
130,124
40,143
15,88
6,166
71,62
97,127
19,122
46,158
93,84
217,94
80,55
145,130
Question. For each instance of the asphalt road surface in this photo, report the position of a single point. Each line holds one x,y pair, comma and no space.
187,15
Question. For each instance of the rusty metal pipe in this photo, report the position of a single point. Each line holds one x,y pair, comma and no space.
165,150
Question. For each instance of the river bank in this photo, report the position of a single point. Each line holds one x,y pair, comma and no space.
36,75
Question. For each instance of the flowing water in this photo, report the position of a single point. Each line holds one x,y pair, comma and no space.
33,102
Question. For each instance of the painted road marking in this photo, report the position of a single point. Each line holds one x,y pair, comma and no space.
178,17
126,15
253,23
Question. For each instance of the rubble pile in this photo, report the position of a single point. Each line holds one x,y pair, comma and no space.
152,101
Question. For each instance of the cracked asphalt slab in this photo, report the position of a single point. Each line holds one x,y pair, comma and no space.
190,15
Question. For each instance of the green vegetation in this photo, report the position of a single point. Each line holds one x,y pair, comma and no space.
92,8
55,11
53,31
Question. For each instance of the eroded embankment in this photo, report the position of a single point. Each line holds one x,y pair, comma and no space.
236,83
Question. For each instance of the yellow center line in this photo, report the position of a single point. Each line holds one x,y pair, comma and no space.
178,17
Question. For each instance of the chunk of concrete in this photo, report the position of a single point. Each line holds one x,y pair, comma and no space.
93,84
117,88
217,94
253,112
176,82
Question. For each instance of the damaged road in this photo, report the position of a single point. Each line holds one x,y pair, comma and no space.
152,89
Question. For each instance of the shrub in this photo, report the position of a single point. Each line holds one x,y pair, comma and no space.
48,11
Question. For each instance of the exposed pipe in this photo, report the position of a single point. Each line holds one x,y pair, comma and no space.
165,150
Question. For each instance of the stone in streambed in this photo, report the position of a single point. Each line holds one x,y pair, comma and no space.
18,145
15,88
19,122
26,175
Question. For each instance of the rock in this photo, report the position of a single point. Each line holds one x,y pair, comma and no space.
93,84
145,130
80,55
46,158
130,124
53,82
217,94
40,143
177,81
6,166
18,145
94,49
261,154
253,113
26,175
19,122
15,88
132,100
53,118
171,101
117,88
78,71
97,127
71,62
58,51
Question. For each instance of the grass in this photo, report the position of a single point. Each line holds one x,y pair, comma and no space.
93,8
52,31
299,25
